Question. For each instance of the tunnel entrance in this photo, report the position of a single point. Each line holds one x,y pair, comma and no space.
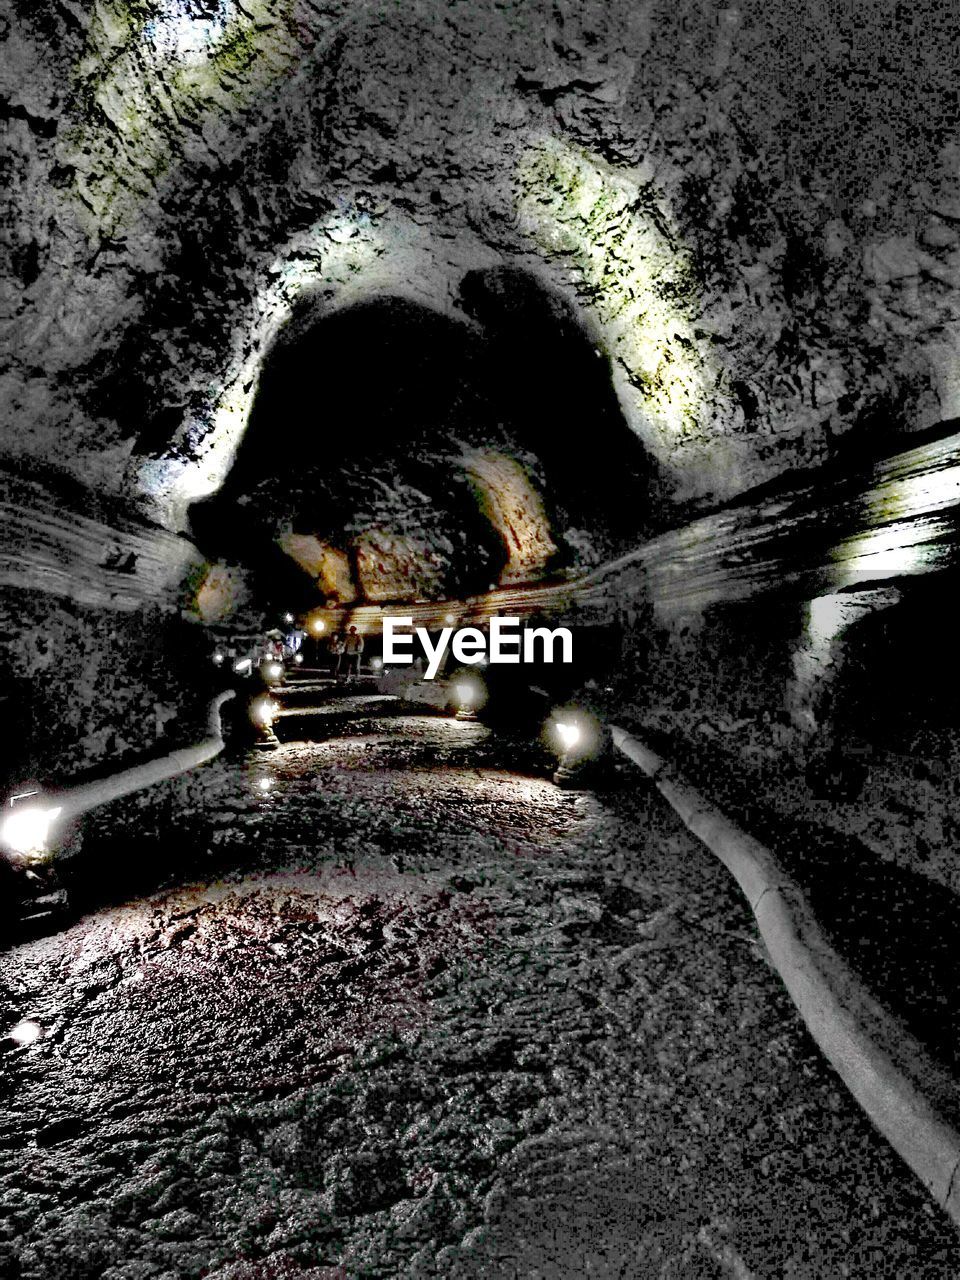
394,453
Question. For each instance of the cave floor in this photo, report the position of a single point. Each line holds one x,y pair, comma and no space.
411,1010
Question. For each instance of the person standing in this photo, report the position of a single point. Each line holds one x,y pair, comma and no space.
338,644
354,648
292,642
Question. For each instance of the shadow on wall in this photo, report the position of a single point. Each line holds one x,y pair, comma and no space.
900,689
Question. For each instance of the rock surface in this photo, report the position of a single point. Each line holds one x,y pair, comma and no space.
752,211
439,1018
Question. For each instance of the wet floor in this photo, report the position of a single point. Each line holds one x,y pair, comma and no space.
401,1007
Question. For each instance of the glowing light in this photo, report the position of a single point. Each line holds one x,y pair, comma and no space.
298,658
318,625
274,670
218,659
181,36
264,711
26,830
909,546
569,734
909,516
450,619
288,617
466,693
376,663
26,1032
265,784
242,665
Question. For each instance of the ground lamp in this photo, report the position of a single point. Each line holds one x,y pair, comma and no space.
263,711
25,830
573,743
467,696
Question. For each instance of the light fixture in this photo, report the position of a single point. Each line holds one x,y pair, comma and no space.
218,658
288,617
298,658
242,666
274,670
578,742
467,695
25,831
569,734
264,711
318,625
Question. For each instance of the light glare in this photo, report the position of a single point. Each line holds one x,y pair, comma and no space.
569,734
264,711
26,830
26,1032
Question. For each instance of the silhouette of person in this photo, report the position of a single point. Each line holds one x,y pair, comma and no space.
354,648
338,644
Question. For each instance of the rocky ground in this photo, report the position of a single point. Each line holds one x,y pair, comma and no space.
392,1004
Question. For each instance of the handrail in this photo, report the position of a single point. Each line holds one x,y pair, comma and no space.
911,1098
89,795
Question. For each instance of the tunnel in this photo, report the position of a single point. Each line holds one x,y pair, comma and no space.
393,452
479,791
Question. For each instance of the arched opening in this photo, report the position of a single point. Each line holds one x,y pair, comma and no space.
394,453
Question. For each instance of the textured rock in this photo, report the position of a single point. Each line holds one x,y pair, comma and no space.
751,214
763,273
439,1018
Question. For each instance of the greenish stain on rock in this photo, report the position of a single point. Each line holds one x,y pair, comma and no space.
136,98
631,270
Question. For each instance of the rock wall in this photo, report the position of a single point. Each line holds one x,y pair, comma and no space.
752,209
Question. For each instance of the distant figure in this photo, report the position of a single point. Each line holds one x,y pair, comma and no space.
354,648
292,642
338,644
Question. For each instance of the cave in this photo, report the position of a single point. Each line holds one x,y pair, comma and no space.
479,792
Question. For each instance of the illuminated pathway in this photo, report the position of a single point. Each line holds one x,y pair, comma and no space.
405,1006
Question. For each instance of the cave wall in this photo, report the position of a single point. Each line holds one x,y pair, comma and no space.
753,209
101,650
